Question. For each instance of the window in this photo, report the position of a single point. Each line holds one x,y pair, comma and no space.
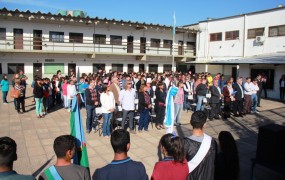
190,45
56,36
117,67
153,68
76,37
52,68
141,67
232,35
99,39
216,36
2,33
130,68
115,40
15,67
277,31
167,43
167,67
155,43
96,67
252,33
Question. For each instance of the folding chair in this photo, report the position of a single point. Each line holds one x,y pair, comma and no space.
98,122
118,120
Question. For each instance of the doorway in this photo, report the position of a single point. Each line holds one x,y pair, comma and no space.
180,47
234,73
130,68
72,69
143,45
18,38
37,70
130,46
37,39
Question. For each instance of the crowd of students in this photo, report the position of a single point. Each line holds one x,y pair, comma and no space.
193,157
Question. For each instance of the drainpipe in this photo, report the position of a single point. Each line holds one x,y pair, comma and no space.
244,37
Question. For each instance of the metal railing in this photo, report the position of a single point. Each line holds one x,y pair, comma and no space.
86,45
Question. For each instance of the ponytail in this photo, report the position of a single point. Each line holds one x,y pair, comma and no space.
174,147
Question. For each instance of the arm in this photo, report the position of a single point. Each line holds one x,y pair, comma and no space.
185,88
121,96
142,100
246,87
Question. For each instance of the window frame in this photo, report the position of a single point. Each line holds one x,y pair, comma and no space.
3,33
101,40
19,66
155,43
151,66
117,65
214,36
76,39
255,32
116,40
230,35
278,33
167,43
167,66
57,39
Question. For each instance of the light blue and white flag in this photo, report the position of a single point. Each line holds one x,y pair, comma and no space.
169,111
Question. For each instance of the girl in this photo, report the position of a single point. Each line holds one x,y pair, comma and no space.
143,107
178,103
5,88
160,95
21,99
71,91
38,94
108,106
174,164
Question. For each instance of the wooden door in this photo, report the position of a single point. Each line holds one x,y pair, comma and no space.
72,69
143,45
180,48
37,70
37,40
130,46
18,38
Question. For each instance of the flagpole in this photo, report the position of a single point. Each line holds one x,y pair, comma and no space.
173,39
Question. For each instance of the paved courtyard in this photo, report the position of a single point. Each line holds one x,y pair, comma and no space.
35,136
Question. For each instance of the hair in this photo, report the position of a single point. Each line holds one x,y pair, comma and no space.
230,154
17,81
198,119
4,76
141,88
173,146
126,84
248,78
104,88
120,138
62,144
8,151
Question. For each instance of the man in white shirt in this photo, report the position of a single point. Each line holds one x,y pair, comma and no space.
254,96
248,88
127,100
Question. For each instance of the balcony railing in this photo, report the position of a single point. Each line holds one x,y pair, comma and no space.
44,44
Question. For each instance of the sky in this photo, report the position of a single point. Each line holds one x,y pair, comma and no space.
149,11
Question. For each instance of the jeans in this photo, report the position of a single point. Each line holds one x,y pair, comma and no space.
65,101
90,110
20,101
185,102
129,114
160,114
39,106
69,103
4,96
143,122
200,104
106,123
177,112
254,100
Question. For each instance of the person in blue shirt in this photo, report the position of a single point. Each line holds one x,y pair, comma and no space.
122,166
5,88
8,154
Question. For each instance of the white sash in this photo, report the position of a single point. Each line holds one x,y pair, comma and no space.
200,155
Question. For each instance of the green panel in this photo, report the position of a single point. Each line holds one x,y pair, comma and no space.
52,68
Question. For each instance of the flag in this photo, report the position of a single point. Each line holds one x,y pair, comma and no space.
77,131
174,23
169,110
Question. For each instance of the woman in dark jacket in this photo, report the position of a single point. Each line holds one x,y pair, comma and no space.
160,105
39,94
144,106
201,92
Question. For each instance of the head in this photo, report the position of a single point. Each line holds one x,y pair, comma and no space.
204,81
239,80
104,88
216,82
8,152
17,81
160,86
64,147
171,145
143,88
180,84
258,76
21,72
115,80
128,85
229,83
248,79
254,81
5,76
198,120
58,72
120,141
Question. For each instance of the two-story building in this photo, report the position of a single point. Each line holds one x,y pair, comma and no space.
42,43
244,45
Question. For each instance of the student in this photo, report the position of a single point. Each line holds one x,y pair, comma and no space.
39,94
204,168
8,154
71,91
174,164
5,88
64,148
122,167
20,100
144,107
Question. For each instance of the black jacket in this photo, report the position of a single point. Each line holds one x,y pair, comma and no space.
160,97
201,90
142,104
38,91
215,95
238,95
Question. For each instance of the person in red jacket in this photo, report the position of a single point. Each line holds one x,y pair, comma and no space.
174,164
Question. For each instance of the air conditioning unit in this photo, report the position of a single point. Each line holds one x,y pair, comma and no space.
260,39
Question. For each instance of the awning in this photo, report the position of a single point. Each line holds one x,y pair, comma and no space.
273,58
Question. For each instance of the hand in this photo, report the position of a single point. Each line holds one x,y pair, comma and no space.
96,103
111,110
149,106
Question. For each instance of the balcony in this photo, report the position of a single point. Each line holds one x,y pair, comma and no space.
87,46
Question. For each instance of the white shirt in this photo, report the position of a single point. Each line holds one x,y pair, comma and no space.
107,101
248,88
71,91
282,83
242,94
127,99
